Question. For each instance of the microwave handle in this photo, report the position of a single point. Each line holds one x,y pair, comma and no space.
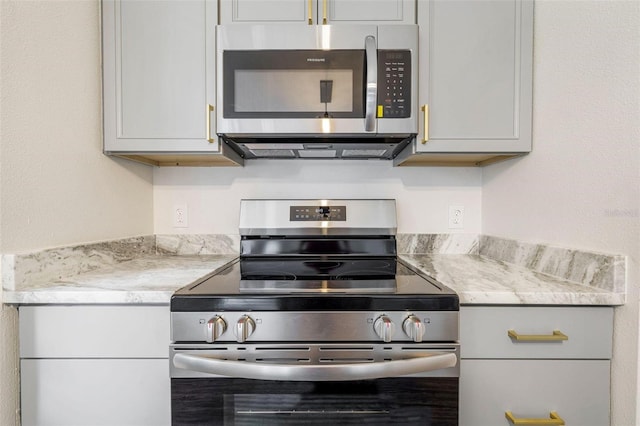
371,51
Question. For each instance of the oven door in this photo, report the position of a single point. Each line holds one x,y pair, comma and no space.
348,384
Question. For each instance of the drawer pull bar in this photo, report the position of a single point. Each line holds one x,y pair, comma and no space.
557,336
554,419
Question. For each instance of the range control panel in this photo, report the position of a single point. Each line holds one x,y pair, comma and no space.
317,213
394,83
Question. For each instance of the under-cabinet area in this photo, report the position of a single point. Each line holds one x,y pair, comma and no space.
472,104
106,365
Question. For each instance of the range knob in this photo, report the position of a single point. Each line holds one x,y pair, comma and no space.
414,328
215,328
384,328
244,328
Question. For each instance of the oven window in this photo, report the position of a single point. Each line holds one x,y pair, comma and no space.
297,409
409,401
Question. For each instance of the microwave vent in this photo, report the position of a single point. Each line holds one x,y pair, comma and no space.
318,153
369,153
273,153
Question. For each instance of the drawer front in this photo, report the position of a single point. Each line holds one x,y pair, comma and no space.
97,392
94,331
577,390
484,332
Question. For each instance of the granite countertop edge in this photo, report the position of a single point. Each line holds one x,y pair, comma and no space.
153,279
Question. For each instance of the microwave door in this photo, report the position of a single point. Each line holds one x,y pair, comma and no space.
298,89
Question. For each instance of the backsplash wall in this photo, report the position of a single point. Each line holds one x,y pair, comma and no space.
212,195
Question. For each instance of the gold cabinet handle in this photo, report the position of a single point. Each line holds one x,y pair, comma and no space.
425,110
555,337
324,12
209,111
554,419
310,11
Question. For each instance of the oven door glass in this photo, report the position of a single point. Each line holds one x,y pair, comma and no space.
293,83
396,401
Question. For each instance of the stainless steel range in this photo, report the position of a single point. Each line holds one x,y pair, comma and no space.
317,321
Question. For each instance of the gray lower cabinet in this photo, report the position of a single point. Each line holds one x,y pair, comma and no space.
312,12
535,363
475,94
578,391
97,392
159,82
94,365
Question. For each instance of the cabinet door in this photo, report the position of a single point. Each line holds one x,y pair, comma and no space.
159,75
95,392
368,11
578,390
476,75
315,12
266,11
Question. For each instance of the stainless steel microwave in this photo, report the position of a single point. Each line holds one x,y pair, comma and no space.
326,91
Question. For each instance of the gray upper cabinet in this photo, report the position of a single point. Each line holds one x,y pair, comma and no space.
475,82
314,12
159,81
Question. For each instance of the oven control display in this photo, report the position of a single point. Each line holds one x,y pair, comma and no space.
319,213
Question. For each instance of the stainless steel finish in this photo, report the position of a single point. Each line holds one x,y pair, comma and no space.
414,328
333,372
295,37
384,328
244,328
379,356
216,327
372,84
321,37
316,326
364,217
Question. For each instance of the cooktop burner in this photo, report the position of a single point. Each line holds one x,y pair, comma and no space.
319,268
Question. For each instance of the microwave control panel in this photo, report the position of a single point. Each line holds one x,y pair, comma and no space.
394,84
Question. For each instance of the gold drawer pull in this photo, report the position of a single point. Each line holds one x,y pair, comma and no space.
310,9
554,419
557,336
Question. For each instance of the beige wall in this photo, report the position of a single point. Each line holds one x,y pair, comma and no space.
56,186
580,187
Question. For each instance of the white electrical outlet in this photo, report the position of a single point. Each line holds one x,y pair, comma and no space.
180,216
456,217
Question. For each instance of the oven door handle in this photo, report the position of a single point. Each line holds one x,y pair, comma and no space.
315,373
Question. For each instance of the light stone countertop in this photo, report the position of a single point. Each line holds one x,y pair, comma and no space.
146,280
152,280
480,280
